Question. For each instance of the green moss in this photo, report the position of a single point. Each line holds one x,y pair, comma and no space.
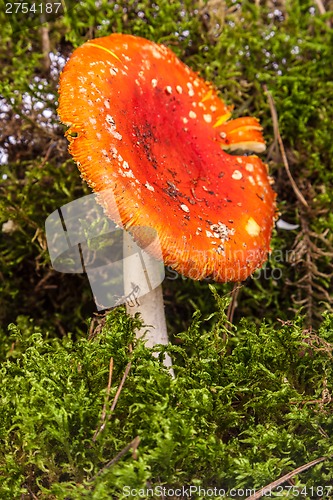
246,407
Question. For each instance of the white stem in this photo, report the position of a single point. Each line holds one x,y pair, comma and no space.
142,278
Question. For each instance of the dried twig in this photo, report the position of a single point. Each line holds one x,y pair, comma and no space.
42,281
296,190
323,10
114,404
31,492
102,425
47,154
133,444
46,46
320,6
233,304
100,319
267,489
311,251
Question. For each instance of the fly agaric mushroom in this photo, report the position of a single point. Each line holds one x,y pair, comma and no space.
142,122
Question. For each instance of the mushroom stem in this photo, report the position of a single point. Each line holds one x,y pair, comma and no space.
150,306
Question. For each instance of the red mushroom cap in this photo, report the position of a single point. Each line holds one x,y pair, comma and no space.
144,124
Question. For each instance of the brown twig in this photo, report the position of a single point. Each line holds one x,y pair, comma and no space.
271,486
322,11
277,135
31,493
114,404
233,304
47,154
46,46
42,282
311,255
100,319
320,6
133,444
102,425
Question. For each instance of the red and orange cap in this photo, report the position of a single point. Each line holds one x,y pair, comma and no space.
144,124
